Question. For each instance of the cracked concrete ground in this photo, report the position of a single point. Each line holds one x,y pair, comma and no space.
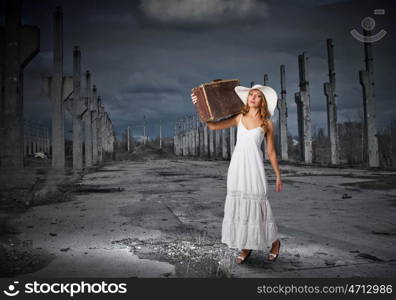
162,218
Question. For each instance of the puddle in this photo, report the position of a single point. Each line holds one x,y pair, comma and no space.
86,189
195,255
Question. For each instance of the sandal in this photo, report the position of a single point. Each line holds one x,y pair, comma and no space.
273,256
242,258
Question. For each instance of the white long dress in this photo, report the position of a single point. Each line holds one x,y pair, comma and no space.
248,222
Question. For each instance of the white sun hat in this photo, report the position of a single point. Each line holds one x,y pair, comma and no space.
269,93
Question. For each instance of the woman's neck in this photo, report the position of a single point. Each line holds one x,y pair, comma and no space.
253,112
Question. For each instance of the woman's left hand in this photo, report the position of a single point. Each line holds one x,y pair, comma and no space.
278,185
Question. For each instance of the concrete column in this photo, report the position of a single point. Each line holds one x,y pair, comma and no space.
35,140
100,130
175,139
179,137
128,140
212,142
265,79
197,128
59,88
201,139
144,130
25,143
160,135
366,77
189,135
58,135
205,140
47,141
225,143
232,139
41,134
19,44
186,136
282,108
329,90
218,146
88,121
29,140
77,111
95,112
302,99
194,135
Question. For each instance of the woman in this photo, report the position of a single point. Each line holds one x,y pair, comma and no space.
248,223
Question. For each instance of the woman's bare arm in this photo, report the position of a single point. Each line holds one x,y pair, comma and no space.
271,149
231,122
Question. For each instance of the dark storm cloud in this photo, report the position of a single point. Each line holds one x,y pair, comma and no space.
145,59
182,12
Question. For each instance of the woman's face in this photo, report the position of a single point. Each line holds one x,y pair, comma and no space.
254,98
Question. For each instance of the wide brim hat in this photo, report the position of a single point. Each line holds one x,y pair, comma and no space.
269,94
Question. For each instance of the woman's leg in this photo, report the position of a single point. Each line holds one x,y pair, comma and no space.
274,250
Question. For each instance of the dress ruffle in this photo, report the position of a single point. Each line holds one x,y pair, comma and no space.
248,221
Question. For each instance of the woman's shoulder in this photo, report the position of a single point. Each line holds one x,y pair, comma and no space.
238,117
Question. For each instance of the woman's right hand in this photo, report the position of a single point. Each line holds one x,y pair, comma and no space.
194,98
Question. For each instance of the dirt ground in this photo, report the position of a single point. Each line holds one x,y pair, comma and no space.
161,217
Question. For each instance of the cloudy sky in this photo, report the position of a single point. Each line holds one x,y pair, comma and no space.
145,56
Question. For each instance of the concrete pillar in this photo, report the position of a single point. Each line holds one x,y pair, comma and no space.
185,136
218,146
189,135
41,133
302,99
18,45
95,112
282,108
201,139
366,77
100,134
29,140
194,135
47,139
128,140
205,140
175,139
160,135
225,143
329,90
144,130
77,111
88,121
197,129
59,89
58,137
25,143
179,137
212,142
233,130
265,79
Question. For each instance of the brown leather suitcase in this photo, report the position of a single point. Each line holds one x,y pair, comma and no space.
217,100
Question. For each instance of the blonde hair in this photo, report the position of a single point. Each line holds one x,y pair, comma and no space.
263,110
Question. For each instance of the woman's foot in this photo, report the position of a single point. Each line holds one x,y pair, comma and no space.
274,253
243,256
